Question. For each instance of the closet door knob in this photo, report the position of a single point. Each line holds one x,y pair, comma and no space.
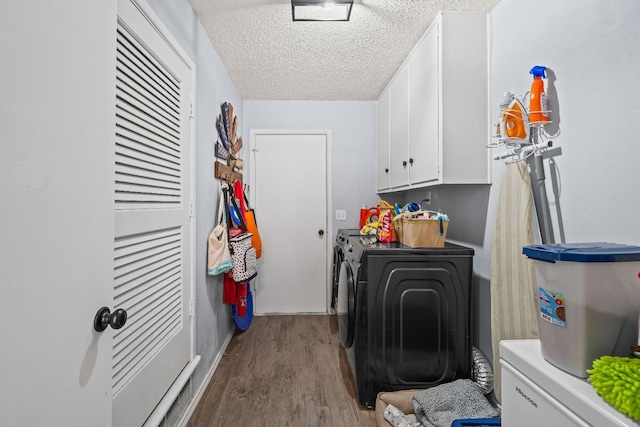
105,318
404,163
320,233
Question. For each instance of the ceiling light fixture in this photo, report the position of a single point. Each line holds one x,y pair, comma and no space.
321,10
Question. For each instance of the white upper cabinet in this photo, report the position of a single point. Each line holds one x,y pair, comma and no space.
399,128
382,148
438,112
424,111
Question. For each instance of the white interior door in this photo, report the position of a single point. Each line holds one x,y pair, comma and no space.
56,228
289,193
152,246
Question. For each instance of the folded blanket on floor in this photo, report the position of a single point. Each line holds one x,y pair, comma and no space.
441,405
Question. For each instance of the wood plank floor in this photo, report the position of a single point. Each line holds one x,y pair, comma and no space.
283,371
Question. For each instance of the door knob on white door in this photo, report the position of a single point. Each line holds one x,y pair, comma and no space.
105,318
320,233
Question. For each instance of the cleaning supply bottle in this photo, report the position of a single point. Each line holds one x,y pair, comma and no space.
538,106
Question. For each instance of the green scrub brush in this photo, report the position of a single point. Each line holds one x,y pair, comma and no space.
617,380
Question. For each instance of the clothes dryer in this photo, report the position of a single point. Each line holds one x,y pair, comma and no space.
404,315
338,258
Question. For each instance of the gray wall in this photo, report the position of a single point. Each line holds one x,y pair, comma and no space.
213,87
353,133
593,50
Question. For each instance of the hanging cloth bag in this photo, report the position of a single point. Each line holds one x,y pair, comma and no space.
218,255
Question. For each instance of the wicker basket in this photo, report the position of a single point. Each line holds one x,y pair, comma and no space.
421,232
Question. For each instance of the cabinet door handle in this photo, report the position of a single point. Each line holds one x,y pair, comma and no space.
386,170
410,161
404,164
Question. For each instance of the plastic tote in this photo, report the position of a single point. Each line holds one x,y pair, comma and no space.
588,298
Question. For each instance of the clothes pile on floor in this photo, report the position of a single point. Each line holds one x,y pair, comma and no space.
439,406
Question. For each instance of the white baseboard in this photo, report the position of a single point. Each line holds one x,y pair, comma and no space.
196,398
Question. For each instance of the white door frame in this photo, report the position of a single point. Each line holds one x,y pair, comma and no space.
329,186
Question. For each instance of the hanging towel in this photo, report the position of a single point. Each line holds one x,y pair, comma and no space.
513,290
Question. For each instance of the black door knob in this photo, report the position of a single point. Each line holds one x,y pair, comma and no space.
105,318
404,163
320,233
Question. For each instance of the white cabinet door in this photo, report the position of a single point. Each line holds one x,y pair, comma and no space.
399,125
424,111
465,117
382,148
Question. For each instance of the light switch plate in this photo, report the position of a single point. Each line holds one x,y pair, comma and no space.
341,215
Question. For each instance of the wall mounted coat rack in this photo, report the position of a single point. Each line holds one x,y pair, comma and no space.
227,147
226,173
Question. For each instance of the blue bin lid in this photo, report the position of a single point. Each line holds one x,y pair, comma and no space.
477,422
583,252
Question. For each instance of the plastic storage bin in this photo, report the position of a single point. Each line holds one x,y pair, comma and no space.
588,297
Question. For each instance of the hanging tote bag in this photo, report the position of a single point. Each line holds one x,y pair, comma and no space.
218,254
249,218
252,227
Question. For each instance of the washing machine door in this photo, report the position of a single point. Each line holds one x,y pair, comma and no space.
346,305
338,258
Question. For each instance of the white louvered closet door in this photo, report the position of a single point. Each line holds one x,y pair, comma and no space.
152,217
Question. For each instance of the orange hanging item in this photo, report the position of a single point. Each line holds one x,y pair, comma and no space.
514,123
538,105
249,216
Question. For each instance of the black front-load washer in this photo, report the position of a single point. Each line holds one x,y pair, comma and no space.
404,315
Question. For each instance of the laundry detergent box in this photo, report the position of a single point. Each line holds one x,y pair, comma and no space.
588,299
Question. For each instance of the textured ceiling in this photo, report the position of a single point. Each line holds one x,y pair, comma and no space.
270,57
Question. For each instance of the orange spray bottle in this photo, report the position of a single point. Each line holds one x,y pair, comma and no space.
538,106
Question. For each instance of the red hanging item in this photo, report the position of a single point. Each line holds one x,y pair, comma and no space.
239,192
241,304
229,291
